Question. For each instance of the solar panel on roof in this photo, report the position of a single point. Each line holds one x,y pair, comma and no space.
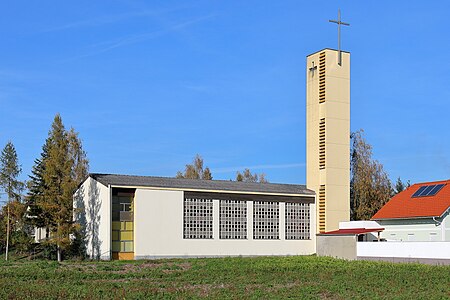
417,193
436,189
428,190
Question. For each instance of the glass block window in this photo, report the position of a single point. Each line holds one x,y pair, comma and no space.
198,218
122,223
233,219
265,220
297,221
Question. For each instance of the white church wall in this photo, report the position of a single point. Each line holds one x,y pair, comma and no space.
92,209
158,231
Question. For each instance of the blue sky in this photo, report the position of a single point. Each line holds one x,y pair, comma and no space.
148,84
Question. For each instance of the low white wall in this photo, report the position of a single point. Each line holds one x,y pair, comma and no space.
92,210
158,226
337,246
434,250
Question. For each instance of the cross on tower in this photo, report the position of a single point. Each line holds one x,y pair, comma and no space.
312,69
338,21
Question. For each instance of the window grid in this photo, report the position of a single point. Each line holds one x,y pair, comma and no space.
297,221
198,218
266,217
233,219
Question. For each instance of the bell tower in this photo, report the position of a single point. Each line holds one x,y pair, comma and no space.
328,135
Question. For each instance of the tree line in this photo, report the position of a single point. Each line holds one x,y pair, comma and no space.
54,177
195,170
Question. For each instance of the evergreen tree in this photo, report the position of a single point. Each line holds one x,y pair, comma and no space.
401,186
36,188
195,170
9,172
64,167
370,187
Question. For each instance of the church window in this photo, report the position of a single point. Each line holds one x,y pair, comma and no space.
297,221
233,219
198,218
265,220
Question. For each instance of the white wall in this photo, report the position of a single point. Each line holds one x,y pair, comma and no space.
338,246
435,250
158,231
92,209
419,230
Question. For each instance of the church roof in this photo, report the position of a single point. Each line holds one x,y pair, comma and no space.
421,200
201,185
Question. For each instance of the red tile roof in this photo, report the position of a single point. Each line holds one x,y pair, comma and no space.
404,206
352,231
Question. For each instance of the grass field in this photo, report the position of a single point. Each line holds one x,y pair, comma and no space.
301,277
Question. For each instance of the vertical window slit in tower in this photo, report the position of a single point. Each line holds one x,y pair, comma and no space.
322,77
322,144
322,208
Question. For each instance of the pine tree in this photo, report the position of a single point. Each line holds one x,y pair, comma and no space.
9,172
401,186
36,188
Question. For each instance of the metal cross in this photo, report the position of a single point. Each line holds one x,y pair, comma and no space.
339,35
312,69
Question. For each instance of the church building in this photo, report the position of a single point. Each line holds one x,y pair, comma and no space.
136,217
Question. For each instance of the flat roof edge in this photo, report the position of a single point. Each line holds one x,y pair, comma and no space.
327,49
214,191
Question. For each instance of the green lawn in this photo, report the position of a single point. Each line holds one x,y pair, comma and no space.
298,277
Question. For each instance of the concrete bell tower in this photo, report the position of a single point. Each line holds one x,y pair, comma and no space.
328,135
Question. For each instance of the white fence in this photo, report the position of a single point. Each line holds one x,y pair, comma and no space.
427,250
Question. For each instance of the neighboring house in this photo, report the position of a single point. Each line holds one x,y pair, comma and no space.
419,213
133,217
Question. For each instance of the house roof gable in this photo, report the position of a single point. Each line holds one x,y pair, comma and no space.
405,206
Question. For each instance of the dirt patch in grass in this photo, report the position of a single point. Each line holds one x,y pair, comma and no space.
164,267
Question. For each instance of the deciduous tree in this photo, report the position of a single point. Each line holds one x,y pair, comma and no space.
370,187
247,176
195,170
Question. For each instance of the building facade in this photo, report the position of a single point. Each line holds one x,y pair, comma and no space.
136,217
420,213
